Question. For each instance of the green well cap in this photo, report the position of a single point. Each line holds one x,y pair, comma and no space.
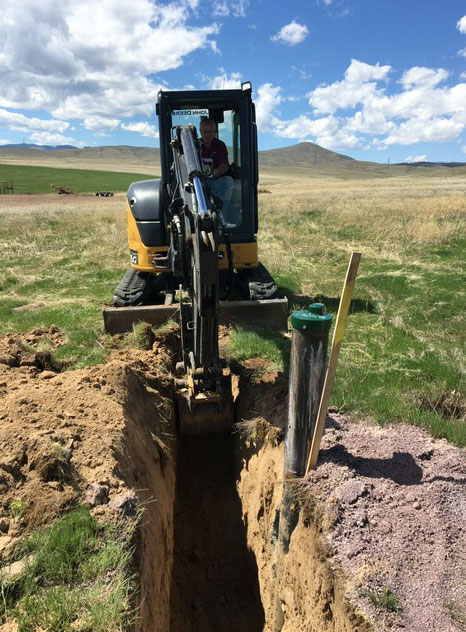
313,319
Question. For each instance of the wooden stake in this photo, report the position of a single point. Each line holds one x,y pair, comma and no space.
340,326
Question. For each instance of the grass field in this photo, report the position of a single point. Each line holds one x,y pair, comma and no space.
27,179
403,357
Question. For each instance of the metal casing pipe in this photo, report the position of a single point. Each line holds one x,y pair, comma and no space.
309,344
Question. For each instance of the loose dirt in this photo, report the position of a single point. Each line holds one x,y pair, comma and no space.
380,542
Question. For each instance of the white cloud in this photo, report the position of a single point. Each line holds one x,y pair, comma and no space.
84,59
142,127
461,25
100,124
462,52
422,158
358,85
21,123
326,131
237,9
47,138
4,142
225,81
291,34
301,72
221,9
420,76
268,98
440,130
463,149
422,111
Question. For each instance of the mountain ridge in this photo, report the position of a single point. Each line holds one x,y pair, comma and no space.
305,158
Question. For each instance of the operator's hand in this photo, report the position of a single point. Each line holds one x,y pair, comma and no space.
220,171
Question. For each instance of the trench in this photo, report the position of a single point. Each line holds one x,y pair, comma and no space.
215,582
206,551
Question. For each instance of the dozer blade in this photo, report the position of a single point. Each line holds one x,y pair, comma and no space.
206,412
266,313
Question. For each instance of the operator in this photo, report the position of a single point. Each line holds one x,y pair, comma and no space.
214,153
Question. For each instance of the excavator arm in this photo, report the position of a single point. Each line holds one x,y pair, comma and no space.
196,227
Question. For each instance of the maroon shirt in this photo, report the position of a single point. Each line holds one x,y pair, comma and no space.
217,152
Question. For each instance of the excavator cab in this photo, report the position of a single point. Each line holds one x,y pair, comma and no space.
193,254
233,114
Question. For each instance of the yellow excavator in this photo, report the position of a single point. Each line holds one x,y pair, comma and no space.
193,259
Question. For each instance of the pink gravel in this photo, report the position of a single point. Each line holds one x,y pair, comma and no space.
395,504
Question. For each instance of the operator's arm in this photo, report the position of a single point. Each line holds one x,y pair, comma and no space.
220,170
222,158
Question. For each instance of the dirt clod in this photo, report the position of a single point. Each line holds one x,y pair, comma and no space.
96,495
125,503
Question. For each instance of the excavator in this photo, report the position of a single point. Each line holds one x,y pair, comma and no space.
190,259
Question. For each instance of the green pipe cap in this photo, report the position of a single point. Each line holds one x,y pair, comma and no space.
313,319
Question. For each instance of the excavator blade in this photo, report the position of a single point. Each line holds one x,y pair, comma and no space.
266,313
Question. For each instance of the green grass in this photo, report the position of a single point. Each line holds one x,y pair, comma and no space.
66,264
76,577
247,343
403,356
385,599
27,179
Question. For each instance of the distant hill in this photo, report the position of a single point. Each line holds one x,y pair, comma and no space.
106,158
305,158
306,153
38,147
301,155
432,164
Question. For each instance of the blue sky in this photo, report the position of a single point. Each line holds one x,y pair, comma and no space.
376,80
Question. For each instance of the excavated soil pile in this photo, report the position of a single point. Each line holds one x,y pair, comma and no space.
393,503
380,542
101,436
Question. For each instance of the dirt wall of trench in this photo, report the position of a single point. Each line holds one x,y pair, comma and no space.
310,592
116,426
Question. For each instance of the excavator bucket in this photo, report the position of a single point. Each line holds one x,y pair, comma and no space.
268,313
207,412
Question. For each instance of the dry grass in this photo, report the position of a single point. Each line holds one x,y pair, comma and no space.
406,338
405,342
395,211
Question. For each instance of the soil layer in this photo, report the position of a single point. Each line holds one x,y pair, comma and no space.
381,530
